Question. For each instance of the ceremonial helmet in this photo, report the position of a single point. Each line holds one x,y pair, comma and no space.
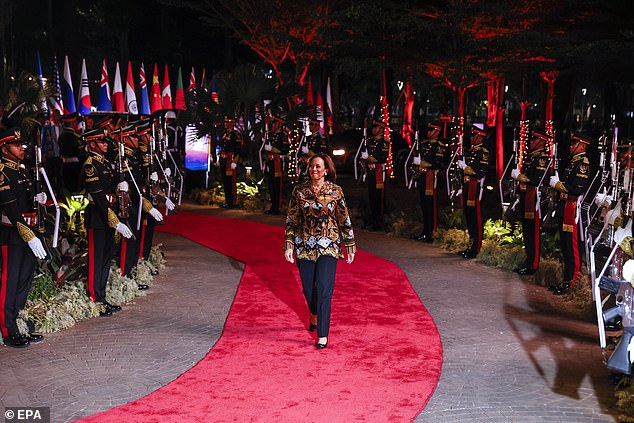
478,134
11,136
538,140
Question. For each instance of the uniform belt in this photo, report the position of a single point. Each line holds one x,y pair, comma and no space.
568,197
110,198
29,218
70,159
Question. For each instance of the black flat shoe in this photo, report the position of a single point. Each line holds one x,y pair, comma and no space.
154,272
16,341
113,308
562,289
142,287
320,346
526,271
34,338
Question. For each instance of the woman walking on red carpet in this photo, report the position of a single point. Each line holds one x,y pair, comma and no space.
317,225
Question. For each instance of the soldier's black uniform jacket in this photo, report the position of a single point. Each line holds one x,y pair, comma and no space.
231,143
535,165
574,179
69,143
132,173
99,180
16,201
318,143
477,160
280,143
432,154
378,149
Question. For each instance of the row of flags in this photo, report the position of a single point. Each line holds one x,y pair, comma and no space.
119,99
324,109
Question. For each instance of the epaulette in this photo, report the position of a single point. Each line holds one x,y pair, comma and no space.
88,160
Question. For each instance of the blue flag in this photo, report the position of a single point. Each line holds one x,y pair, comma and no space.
67,90
40,80
105,104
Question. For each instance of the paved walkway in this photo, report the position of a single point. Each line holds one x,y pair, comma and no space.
509,355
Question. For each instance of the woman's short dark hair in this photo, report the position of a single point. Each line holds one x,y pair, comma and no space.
330,166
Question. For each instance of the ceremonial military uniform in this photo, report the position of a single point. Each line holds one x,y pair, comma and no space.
571,187
279,147
432,158
229,155
100,220
475,167
534,168
378,149
70,152
19,244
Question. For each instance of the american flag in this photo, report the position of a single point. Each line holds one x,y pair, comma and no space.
56,100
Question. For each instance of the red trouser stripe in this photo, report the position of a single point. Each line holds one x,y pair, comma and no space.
575,252
3,290
142,241
537,235
479,222
124,245
91,265
235,188
435,210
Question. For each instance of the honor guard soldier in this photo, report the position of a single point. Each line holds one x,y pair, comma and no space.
150,187
431,158
278,147
571,188
100,219
475,166
534,168
229,155
20,245
130,171
376,157
317,141
70,152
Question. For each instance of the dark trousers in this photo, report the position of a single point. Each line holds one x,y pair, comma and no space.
319,276
228,184
376,199
70,176
428,202
54,171
275,188
473,214
129,248
531,230
100,253
147,237
571,253
18,263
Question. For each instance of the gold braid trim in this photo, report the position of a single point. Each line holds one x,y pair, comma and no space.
469,171
147,206
25,232
626,246
559,186
113,220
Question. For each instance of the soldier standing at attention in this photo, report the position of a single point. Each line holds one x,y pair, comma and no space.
100,219
19,244
571,188
475,166
376,157
279,146
229,156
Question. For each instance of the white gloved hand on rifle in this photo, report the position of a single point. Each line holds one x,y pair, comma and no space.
123,186
364,155
515,173
37,247
156,214
123,230
169,204
462,164
154,177
553,180
40,198
168,172
234,165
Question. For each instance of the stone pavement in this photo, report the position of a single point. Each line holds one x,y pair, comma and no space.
510,353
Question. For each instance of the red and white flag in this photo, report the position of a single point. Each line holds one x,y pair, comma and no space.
130,94
192,81
155,100
166,94
117,91
84,92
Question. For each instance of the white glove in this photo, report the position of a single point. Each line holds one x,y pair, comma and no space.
268,147
628,270
234,165
462,164
553,180
459,193
602,198
515,173
38,249
154,177
169,204
168,172
123,186
123,230
156,214
611,215
40,197
364,155
416,160
622,233
304,149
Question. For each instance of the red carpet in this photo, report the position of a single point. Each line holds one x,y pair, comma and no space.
382,363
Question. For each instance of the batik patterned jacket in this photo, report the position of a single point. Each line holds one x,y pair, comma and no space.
318,225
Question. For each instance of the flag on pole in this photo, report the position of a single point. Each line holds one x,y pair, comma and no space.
192,80
166,94
328,108
84,91
105,104
214,89
117,91
179,102
156,103
56,100
202,79
40,80
130,94
319,106
67,90
145,102
309,92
